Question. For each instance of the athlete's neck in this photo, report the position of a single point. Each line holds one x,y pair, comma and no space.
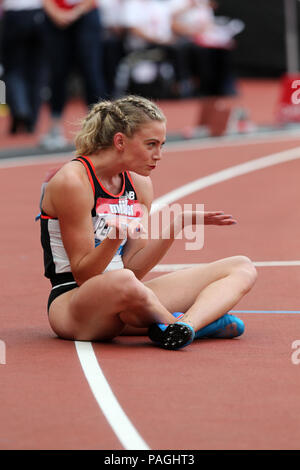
108,170
108,165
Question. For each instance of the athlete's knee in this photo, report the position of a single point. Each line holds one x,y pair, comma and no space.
246,271
132,292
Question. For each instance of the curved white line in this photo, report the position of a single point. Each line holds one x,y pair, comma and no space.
101,390
121,425
92,370
175,146
13,162
165,268
224,175
234,140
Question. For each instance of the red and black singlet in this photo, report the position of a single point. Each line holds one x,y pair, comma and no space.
106,205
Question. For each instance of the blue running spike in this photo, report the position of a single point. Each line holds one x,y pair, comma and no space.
228,326
173,336
178,315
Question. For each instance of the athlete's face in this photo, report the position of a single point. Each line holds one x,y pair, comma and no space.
143,150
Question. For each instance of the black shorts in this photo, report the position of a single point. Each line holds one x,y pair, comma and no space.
59,290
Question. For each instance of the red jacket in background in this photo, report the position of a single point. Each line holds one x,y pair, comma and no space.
68,4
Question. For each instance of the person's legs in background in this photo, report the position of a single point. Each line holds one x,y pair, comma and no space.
22,50
178,55
77,45
59,54
225,83
113,53
37,67
89,49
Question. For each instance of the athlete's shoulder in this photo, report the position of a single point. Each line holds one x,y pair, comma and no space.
68,186
71,175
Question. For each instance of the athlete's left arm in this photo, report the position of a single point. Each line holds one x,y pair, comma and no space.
142,254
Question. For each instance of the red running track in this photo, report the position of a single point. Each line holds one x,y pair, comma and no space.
214,394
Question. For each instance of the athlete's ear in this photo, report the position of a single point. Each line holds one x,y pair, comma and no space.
119,141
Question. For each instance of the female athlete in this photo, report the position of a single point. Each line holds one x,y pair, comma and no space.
94,220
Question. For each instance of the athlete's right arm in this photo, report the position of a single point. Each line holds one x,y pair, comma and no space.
70,198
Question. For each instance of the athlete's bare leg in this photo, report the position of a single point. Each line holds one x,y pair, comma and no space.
117,303
204,293
100,308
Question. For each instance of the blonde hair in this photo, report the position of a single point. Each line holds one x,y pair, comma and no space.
106,118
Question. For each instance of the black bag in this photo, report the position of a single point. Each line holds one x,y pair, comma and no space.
146,73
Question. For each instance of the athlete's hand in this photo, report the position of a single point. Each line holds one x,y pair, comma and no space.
122,227
218,218
206,218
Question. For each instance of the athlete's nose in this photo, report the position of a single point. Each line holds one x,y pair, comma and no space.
158,154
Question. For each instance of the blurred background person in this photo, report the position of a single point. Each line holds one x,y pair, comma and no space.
147,23
23,58
113,40
210,43
148,27
73,34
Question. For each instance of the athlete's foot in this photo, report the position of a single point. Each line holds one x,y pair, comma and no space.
228,326
174,336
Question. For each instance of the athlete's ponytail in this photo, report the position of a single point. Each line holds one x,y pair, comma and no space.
106,118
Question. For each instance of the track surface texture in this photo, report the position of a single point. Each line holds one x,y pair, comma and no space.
238,394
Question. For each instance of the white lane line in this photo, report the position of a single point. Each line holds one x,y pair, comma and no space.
234,140
277,263
175,146
289,312
162,268
121,425
100,388
13,162
117,419
95,384
224,175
